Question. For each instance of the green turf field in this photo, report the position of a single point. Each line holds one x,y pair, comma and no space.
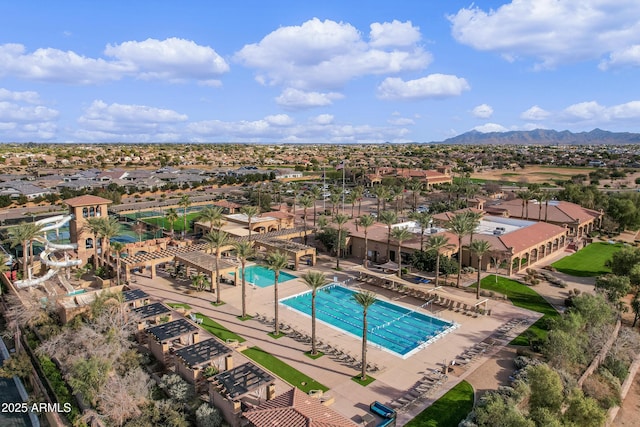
588,261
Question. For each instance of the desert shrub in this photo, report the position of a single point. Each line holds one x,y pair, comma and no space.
602,389
618,368
207,416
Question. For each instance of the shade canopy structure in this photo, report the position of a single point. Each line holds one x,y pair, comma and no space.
206,263
242,380
172,330
151,310
202,353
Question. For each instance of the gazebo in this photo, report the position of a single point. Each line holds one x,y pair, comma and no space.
206,264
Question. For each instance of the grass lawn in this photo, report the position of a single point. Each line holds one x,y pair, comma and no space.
178,226
523,296
447,411
179,305
218,330
284,371
588,261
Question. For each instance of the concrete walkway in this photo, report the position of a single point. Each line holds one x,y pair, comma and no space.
352,400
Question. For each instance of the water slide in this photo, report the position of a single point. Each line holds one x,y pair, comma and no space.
49,224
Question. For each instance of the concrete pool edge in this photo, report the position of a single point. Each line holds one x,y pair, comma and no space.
452,324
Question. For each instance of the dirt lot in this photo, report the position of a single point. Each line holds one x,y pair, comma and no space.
540,174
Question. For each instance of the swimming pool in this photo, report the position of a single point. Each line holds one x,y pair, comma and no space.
392,327
263,277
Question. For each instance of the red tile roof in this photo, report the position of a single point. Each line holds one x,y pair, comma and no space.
295,409
227,204
87,200
559,212
531,236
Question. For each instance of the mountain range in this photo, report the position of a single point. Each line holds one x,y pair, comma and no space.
544,137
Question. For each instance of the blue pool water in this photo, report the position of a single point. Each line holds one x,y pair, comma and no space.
390,326
263,277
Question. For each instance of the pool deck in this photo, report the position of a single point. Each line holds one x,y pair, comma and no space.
397,375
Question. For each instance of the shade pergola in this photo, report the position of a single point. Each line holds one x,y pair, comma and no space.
292,249
237,382
439,292
206,264
389,277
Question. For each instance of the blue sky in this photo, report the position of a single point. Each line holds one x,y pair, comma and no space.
331,71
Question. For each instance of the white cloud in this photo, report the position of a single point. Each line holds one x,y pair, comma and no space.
394,33
27,96
595,113
115,122
317,129
294,99
326,54
55,65
584,111
629,56
401,121
279,120
323,119
20,122
629,110
550,31
535,113
171,59
482,111
490,127
432,86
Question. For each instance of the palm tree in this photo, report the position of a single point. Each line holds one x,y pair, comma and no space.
437,243
381,192
212,215
424,220
340,220
358,193
460,224
388,218
110,228
316,192
475,218
365,222
23,234
251,212
94,225
185,202
397,194
334,198
117,248
351,199
198,281
217,239
525,195
544,196
172,216
400,235
139,228
479,248
365,299
315,280
306,202
276,261
295,187
415,187
244,250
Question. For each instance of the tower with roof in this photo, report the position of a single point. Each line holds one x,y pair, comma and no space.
82,208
